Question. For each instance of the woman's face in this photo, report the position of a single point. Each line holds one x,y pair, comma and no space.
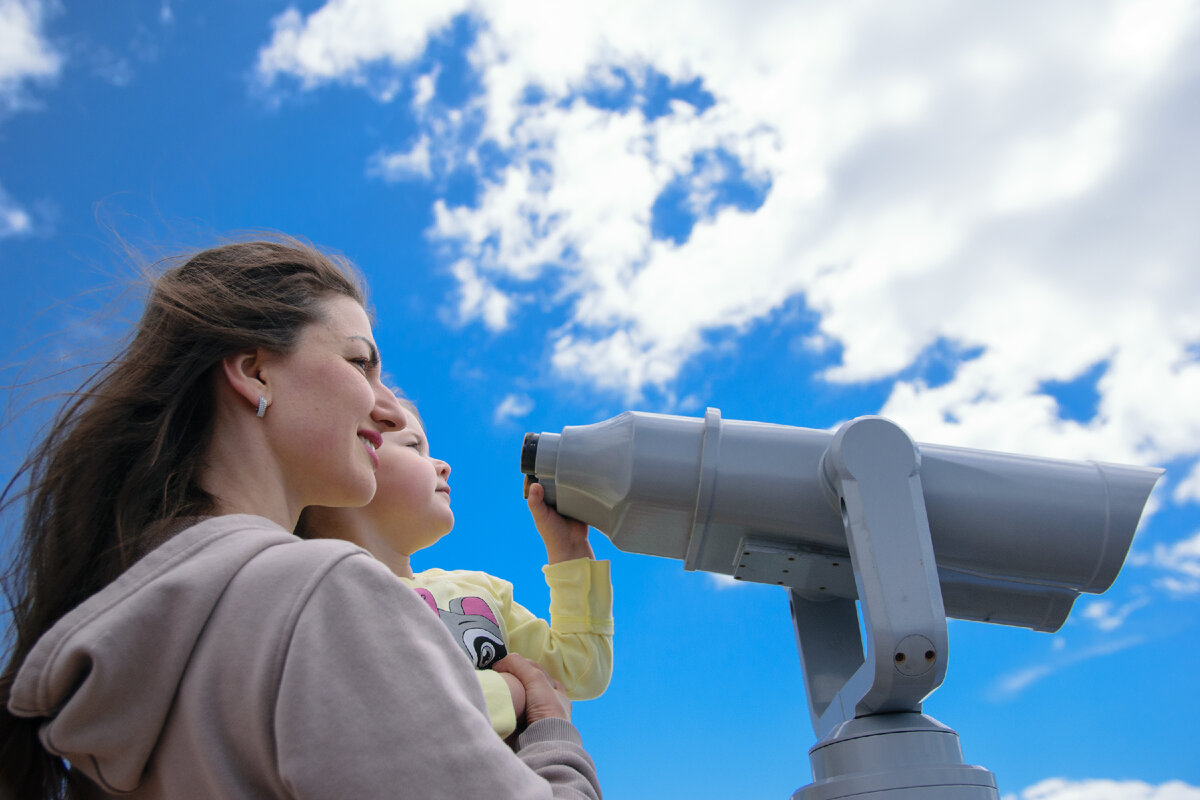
411,508
329,409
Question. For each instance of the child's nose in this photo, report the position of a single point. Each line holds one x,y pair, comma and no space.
443,469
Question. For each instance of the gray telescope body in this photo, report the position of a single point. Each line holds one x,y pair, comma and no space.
862,517
1016,538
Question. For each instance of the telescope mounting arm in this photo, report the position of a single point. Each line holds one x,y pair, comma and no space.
872,471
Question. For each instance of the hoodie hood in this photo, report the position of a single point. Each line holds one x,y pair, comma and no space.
105,676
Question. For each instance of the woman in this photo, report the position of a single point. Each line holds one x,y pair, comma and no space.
173,638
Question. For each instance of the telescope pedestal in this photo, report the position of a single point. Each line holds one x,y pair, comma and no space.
904,756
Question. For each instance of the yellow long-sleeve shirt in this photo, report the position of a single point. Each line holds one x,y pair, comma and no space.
575,646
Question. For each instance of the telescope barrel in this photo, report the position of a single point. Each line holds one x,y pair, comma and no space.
1016,538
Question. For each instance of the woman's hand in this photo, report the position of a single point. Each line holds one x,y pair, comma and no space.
544,696
517,690
564,538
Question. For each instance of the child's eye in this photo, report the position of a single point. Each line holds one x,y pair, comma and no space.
364,364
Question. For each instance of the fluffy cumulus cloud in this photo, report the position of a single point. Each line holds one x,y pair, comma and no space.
1011,186
1060,789
1189,488
25,54
343,38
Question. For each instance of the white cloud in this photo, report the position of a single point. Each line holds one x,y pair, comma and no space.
14,220
424,89
1014,683
1180,561
1108,616
1183,557
112,68
341,39
479,298
25,54
513,406
1189,488
402,165
720,582
1178,586
1062,789
1041,171
1005,180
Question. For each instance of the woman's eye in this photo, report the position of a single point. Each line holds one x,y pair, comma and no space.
362,363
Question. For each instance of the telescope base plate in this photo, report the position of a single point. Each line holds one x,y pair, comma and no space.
904,756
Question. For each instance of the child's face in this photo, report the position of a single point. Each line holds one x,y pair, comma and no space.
412,504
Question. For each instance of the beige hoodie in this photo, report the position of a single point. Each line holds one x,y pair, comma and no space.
238,661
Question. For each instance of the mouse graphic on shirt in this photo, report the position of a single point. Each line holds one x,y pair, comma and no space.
474,626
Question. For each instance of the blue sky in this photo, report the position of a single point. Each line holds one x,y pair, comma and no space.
976,219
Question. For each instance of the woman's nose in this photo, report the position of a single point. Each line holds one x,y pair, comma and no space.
387,413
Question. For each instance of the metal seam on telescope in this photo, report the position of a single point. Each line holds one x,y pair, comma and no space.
1107,520
710,455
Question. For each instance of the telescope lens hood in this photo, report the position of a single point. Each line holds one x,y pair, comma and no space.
529,453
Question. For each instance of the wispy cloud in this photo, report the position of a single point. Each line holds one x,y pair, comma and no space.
964,196
111,67
719,581
1108,616
415,162
512,407
14,220
1063,789
1179,560
1014,683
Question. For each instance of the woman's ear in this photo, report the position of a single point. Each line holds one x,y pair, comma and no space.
242,371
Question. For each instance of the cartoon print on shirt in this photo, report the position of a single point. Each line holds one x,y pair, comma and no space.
427,596
474,626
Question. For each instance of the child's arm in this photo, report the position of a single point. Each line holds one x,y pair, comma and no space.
575,647
565,538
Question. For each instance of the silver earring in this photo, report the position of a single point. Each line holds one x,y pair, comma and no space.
262,406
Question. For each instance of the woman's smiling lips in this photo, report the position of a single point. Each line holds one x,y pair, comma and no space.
372,441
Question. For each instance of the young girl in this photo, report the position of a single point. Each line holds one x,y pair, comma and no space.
411,511
172,638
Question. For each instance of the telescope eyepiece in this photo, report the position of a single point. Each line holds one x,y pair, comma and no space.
529,453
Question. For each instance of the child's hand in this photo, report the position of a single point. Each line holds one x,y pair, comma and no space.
565,538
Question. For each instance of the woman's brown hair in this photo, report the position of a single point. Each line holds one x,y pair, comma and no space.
127,449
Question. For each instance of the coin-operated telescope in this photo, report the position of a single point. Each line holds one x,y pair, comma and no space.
915,533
